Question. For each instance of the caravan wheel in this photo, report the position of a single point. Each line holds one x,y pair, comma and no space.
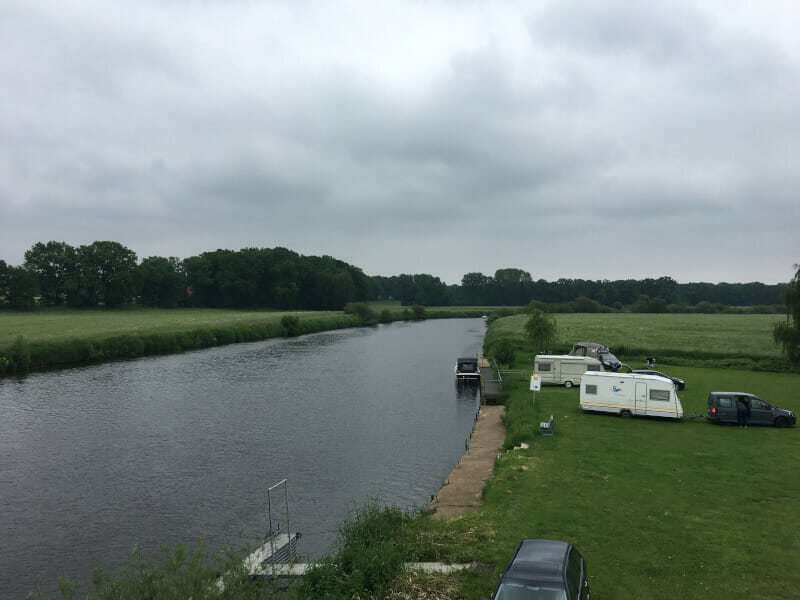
567,384
625,414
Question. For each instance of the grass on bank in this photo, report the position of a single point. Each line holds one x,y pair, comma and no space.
54,325
660,509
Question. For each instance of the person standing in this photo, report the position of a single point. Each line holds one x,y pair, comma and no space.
742,413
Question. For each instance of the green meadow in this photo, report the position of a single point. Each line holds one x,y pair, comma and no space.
709,333
63,324
660,509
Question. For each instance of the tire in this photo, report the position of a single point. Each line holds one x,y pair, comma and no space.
625,414
567,384
781,422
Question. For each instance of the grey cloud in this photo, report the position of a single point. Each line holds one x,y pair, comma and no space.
654,115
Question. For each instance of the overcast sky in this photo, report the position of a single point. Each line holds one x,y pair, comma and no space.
572,138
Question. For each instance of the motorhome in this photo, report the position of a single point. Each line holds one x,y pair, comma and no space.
563,369
629,394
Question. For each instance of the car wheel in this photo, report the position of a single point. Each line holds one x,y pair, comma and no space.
625,414
567,384
781,422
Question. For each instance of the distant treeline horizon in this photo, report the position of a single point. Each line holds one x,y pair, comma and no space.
106,273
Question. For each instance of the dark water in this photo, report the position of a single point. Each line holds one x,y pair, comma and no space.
95,460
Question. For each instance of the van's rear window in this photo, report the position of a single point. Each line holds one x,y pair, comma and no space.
591,389
544,366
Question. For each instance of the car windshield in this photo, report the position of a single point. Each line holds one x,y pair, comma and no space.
515,590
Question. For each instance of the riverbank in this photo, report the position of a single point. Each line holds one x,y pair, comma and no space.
462,491
58,338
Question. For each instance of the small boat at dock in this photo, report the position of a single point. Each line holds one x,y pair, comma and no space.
467,368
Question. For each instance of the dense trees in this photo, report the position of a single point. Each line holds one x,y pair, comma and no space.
277,278
513,287
106,273
422,289
162,282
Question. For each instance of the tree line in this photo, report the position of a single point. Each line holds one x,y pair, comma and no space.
106,273
515,287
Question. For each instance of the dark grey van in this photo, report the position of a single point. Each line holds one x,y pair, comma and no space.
722,409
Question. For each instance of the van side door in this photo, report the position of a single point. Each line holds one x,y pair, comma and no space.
760,412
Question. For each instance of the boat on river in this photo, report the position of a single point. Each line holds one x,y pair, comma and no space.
467,368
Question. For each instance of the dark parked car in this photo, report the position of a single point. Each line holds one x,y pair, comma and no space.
598,351
722,409
679,383
610,362
544,570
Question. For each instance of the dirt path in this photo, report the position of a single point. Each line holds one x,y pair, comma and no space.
461,492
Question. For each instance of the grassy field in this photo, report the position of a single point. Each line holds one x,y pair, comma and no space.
660,509
732,334
57,325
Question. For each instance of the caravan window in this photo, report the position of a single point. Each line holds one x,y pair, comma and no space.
661,395
544,366
591,389
593,368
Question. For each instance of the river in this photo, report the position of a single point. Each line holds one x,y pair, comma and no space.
96,460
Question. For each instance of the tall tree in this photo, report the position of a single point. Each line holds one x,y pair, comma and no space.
22,288
787,333
162,282
104,272
51,263
540,330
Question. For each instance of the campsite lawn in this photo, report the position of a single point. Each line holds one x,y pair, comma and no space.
660,509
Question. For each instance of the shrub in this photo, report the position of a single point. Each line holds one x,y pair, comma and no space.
418,312
504,352
290,325
371,548
20,355
386,316
363,311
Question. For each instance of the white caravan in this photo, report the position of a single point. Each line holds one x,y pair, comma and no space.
628,394
563,369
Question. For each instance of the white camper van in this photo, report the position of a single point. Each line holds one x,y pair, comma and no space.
628,394
563,369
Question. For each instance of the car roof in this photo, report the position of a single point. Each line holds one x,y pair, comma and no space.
539,560
468,359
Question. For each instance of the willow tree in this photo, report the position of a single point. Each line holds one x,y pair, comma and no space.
540,330
787,333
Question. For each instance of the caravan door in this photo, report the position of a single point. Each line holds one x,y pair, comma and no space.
641,398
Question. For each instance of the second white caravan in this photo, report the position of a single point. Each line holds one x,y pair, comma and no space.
628,394
564,369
